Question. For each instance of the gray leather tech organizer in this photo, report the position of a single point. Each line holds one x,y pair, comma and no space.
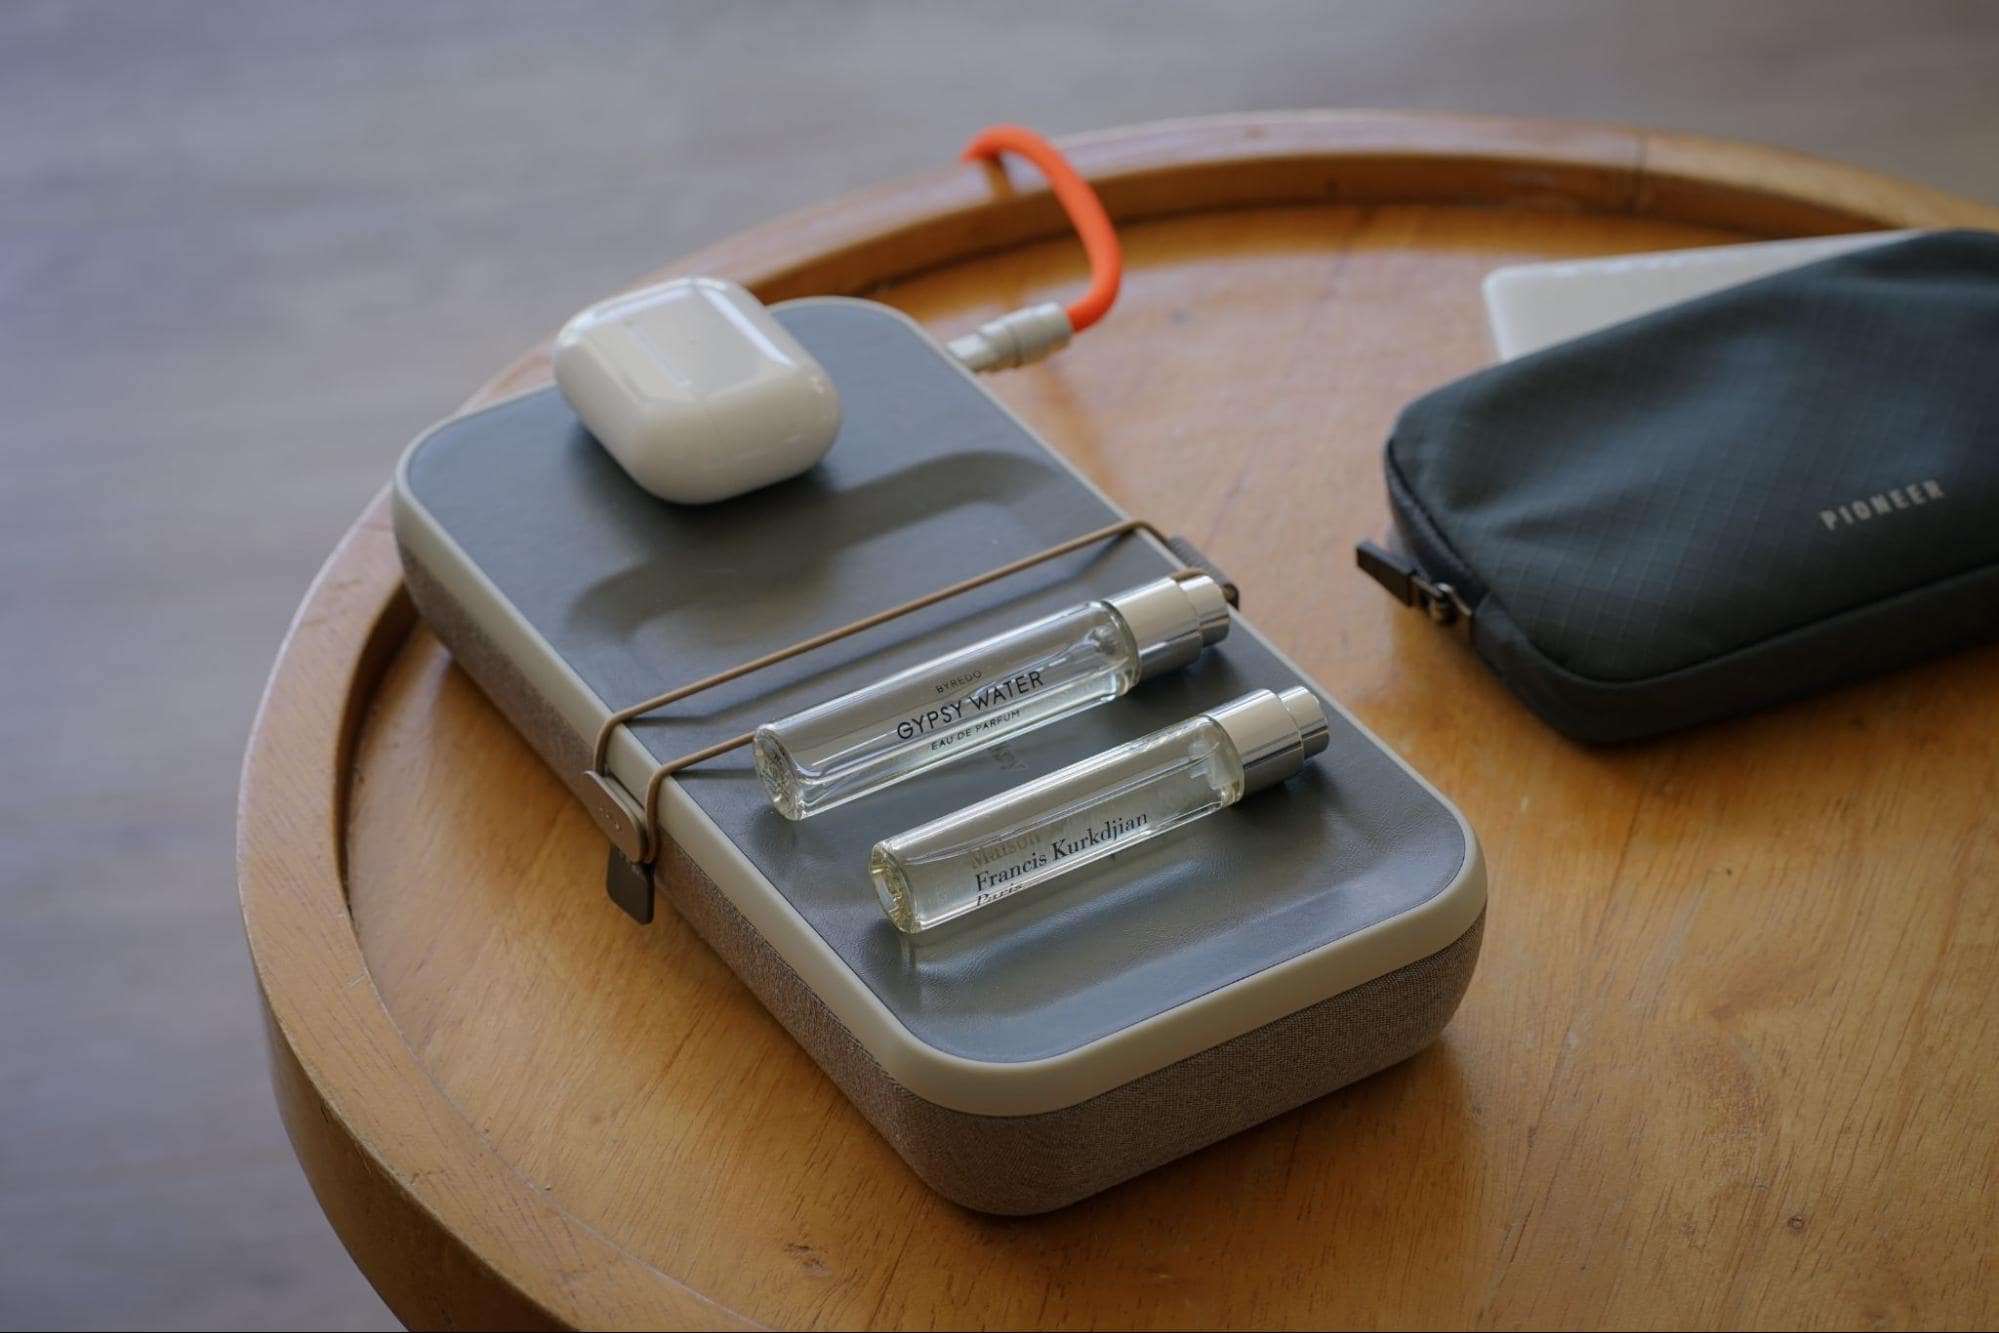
1724,504
1042,1049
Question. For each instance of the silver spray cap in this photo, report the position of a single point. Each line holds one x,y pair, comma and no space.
1274,734
1172,620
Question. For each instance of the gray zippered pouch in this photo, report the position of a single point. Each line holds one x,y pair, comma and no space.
1722,505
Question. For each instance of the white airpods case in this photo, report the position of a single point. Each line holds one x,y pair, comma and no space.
697,392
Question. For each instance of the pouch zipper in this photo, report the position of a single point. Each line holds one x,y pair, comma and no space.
1407,584
1425,575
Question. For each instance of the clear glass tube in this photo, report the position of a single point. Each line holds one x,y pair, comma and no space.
1048,827
1096,808
1000,687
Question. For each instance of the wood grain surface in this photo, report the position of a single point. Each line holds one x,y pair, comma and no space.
1730,1057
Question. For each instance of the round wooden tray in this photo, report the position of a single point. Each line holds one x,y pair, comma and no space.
1730,1057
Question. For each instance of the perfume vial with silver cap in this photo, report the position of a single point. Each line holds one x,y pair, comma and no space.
965,701
1098,807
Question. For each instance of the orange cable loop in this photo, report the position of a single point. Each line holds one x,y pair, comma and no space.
1078,200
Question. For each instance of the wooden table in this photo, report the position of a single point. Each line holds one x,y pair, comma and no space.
1731,1056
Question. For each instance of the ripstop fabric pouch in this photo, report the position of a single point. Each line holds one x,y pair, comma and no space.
1722,505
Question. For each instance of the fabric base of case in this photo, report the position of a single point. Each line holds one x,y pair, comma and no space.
1015,1164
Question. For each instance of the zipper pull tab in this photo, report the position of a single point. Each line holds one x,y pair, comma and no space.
1406,584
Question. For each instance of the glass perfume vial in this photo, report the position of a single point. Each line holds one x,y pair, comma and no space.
1000,687
1096,808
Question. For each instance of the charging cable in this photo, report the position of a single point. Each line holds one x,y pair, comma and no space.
1032,332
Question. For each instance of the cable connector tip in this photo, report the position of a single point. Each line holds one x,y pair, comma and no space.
1018,338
